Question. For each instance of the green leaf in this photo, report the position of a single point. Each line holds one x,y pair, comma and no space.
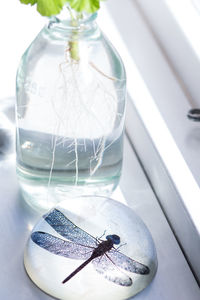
89,6
32,2
50,7
53,7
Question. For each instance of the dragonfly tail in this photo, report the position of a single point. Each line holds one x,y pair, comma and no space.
77,270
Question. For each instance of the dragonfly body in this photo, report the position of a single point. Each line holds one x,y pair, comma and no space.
105,258
101,249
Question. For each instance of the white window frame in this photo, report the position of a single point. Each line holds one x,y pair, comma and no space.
175,25
157,122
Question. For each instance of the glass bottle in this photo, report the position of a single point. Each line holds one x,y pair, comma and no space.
71,88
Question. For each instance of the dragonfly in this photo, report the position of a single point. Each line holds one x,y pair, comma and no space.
106,259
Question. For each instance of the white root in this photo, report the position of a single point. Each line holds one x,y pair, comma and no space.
72,98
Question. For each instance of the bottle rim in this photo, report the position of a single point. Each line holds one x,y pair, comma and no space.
67,24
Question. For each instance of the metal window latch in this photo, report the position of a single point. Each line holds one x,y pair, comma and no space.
194,114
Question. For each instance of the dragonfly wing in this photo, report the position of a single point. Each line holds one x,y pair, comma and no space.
104,266
67,229
126,263
60,247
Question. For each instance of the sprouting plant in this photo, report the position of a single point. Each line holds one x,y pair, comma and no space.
53,7
73,97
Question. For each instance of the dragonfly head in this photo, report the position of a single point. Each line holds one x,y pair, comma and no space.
114,238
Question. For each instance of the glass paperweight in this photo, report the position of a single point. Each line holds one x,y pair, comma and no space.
91,248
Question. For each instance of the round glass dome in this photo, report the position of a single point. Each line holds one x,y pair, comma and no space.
91,248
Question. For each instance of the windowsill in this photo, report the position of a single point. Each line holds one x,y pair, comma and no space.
173,278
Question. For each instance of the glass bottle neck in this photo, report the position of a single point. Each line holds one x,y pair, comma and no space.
82,25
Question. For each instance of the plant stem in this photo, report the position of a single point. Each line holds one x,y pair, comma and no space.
74,44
